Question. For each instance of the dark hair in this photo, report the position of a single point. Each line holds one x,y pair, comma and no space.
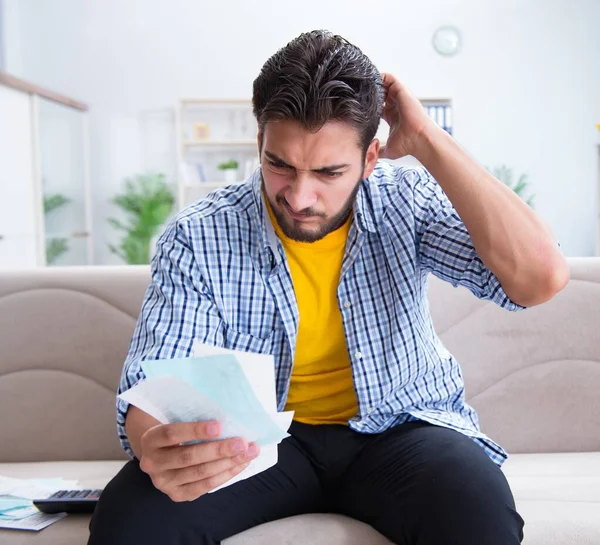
320,77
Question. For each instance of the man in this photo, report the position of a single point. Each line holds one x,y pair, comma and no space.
322,259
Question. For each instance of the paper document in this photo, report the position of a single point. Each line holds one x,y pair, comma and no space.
221,384
17,511
259,370
235,388
34,488
34,521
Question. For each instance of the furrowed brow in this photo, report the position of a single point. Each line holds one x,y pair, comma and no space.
328,168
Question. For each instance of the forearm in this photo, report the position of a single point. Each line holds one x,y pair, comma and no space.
509,237
137,423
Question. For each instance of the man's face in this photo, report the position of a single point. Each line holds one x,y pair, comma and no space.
311,179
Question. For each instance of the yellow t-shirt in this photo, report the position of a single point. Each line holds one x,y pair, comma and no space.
321,389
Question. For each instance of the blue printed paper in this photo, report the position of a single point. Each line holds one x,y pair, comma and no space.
10,504
221,379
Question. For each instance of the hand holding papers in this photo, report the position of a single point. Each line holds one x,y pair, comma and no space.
235,388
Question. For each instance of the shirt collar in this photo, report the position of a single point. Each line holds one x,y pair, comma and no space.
269,241
368,207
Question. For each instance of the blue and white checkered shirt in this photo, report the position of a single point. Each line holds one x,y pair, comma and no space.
220,275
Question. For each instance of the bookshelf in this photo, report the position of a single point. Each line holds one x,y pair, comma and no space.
213,131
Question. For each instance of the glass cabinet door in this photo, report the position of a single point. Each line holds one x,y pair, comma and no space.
62,164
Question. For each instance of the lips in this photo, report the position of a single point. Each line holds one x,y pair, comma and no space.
296,216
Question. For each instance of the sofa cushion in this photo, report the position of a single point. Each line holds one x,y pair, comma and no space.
560,522
558,495
563,477
64,334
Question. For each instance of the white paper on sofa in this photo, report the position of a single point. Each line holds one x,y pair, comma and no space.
32,489
17,511
235,388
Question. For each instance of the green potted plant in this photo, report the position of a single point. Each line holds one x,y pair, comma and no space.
230,169
55,247
148,202
520,187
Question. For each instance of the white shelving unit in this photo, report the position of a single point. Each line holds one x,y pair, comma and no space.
210,132
43,159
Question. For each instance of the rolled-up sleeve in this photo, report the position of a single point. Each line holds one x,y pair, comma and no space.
177,310
445,247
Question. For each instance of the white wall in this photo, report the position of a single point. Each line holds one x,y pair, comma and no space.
12,37
2,31
526,85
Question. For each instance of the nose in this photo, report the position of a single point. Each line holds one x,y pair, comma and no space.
301,194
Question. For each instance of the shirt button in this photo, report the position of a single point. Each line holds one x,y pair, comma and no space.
347,304
359,355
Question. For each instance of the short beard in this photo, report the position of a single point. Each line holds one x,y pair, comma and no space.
302,235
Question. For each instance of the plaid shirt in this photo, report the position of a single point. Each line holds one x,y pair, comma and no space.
220,275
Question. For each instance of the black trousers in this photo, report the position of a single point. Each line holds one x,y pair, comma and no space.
417,484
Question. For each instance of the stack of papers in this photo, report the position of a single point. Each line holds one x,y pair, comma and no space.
16,507
237,389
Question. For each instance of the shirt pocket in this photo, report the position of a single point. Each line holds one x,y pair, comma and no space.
245,342
247,307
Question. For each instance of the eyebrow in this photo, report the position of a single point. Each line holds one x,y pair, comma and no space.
328,168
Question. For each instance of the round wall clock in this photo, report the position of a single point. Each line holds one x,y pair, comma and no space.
446,40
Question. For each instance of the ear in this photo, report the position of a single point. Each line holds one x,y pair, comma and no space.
371,158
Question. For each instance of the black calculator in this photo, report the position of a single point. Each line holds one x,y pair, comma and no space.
69,501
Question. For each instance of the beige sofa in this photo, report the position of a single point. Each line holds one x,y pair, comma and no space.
533,376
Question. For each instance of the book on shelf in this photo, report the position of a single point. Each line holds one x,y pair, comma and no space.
192,173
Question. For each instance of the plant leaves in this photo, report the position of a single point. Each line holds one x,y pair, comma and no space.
520,187
148,202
